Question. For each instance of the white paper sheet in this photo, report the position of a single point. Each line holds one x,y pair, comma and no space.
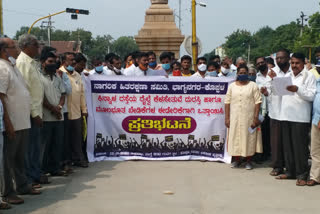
251,130
280,85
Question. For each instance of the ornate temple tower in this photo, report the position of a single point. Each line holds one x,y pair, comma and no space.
159,32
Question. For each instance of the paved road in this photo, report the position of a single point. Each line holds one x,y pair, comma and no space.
138,187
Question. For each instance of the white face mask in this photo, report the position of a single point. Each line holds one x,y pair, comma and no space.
12,60
224,70
202,67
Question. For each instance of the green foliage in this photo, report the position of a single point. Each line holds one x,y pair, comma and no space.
237,44
124,45
96,47
267,40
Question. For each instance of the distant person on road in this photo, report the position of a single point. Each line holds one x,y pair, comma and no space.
242,106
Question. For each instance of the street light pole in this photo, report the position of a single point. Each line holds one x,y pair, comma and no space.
44,18
1,18
194,36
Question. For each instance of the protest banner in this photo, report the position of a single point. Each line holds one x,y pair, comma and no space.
156,118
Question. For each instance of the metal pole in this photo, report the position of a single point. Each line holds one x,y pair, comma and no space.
310,49
44,18
194,36
1,18
249,50
180,14
49,32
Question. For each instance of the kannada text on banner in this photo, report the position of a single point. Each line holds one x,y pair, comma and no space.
156,118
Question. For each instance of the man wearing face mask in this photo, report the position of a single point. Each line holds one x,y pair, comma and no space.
77,109
98,68
165,59
202,68
68,62
153,61
143,70
274,108
225,70
315,70
55,92
213,68
16,101
263,81
115,66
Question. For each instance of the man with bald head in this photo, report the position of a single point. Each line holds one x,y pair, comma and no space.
16,102
30,70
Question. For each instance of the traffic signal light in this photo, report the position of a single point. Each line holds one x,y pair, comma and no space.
77,11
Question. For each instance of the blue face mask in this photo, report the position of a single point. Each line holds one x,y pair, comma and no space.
243,77
252,78
70,68
212,74
99,69
166,66
153,64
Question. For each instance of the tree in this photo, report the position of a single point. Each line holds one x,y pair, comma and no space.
92,47
285,36
124,45
100,47
263,39
237,44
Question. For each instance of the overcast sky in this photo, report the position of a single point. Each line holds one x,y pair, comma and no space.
125,17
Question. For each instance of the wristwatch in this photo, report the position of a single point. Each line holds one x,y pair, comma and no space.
60,107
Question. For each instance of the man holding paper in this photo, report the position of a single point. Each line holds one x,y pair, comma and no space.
295,117
274,106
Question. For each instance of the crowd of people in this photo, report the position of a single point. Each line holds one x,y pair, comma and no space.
43,110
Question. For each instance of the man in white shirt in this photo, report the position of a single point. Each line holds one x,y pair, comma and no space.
274,107
202,68
98,68
226,71
263,81
30,70
114,69
16,101
143,69
134,60
295,116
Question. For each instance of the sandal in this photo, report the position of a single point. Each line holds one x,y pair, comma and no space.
36,186
283,177
13,200
32,191
301,182
311,183
4,206
275,172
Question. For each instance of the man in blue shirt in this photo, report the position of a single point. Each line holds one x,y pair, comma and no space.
315,140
